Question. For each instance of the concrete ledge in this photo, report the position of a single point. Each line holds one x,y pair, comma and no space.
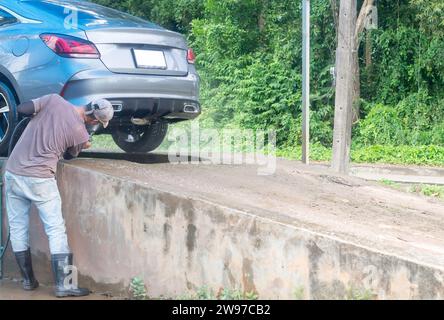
395,173
403,174
120,228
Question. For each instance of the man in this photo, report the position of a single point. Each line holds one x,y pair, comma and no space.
56,130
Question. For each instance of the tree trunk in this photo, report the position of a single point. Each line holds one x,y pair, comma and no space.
360,25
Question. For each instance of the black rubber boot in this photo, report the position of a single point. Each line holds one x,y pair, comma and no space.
25,264
60,266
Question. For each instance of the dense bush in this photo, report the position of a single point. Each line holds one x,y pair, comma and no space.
416,120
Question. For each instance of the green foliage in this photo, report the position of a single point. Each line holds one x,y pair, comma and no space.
419,155
234,294
104,142
429,190
382,125
431,13
359,294
416,120
317,152
299,293
202,293
205,293
390,183
249,59
172,14
137,289
415,155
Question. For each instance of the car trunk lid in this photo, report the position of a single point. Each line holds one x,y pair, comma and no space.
141,50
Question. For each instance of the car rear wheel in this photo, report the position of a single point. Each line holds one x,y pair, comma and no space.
8,117
141,138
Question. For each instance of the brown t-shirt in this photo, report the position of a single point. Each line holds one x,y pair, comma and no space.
55,128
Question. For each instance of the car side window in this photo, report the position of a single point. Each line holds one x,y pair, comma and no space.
6,18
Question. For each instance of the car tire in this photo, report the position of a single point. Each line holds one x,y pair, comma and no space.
9,121
150,138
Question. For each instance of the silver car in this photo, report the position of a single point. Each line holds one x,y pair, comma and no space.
84,51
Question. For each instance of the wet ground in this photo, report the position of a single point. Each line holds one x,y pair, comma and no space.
12,290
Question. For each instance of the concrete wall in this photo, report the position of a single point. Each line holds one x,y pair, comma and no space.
119,229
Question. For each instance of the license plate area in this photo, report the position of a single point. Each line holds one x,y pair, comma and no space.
149,59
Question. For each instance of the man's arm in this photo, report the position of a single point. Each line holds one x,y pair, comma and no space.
73,152
34,106
26,108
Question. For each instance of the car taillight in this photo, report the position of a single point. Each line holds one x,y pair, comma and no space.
70,47
191,57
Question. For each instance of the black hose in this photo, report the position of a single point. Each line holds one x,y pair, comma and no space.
16,134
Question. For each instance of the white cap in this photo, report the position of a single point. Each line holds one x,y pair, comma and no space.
102,110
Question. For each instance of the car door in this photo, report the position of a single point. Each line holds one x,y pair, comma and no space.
6,20
22,52
36,69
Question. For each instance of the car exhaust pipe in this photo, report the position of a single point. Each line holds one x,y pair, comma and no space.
117,106
140,121
191,108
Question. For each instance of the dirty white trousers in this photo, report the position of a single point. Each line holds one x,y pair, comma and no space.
21,192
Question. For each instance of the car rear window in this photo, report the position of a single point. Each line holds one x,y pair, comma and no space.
89,13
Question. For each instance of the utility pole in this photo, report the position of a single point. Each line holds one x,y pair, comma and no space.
344,86
306,81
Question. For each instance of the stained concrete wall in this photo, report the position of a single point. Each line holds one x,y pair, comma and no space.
119,229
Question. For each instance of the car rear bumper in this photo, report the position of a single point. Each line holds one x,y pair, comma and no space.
138,96
170,110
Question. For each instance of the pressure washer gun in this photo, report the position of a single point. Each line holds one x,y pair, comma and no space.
90,109
92,130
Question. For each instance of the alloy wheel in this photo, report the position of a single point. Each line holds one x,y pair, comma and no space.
4,114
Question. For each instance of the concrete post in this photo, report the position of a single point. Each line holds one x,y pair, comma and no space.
344,86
